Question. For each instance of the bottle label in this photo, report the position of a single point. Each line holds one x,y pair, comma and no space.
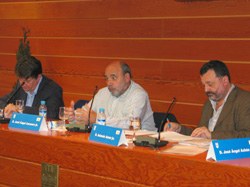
101,121
43,113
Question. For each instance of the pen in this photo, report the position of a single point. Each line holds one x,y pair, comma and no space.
169,124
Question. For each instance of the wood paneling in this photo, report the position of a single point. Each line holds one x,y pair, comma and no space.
164,42
154,70
232,27
120,9
132,48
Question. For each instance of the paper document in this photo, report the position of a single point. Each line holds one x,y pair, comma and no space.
139,132
184,139
173,136
185,150
200,142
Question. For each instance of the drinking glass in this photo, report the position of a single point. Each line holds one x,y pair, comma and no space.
135,125
20,105
63,116
1,112
79,116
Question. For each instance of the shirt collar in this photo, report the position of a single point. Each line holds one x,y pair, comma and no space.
225,99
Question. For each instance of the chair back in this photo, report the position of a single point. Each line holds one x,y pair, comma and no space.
158,117
80,103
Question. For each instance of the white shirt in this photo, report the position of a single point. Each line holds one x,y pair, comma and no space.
133,102
216,113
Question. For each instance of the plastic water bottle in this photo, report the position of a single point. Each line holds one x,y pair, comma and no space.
101,117
43,109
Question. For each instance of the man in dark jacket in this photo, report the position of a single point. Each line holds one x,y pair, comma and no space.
33,87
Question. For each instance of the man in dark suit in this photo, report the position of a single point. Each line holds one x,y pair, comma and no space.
34,87
226,113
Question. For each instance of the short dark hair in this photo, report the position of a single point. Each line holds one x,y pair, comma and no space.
219,68
28,67
125,68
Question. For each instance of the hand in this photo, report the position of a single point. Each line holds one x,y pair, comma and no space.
86,114
172,126
202,132
9,109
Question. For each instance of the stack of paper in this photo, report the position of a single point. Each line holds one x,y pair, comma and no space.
200,142
187,145
185,150
139,132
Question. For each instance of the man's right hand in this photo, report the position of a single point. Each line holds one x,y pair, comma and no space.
172,126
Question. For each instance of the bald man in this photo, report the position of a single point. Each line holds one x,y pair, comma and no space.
121,99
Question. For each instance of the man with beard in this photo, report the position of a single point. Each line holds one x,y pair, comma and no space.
226,114
121,99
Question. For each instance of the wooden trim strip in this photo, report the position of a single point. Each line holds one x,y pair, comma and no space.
45,2
132,58
181,17
129,38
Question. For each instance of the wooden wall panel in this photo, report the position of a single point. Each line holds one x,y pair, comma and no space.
162,27
154,70
131,48
120,8
165,43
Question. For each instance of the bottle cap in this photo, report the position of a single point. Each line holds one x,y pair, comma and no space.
101,110
43,102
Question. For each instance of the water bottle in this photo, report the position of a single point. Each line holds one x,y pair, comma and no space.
101,117
43,109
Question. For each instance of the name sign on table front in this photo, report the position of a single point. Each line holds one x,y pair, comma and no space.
229,149
28,122
108,135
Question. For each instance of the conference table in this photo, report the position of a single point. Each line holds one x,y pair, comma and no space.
85,163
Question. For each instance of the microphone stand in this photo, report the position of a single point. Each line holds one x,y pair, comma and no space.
155,142
89,126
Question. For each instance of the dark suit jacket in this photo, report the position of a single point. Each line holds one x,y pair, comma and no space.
234,120
48,90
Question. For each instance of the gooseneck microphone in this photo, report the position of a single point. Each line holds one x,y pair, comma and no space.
89,126
3,119
14,93
165,118
147,141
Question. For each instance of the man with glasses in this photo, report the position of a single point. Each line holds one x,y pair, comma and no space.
121,99
34,87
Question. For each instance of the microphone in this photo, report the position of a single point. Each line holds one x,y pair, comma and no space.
3,119
155,142
86,128
15,92
89,126
165,118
